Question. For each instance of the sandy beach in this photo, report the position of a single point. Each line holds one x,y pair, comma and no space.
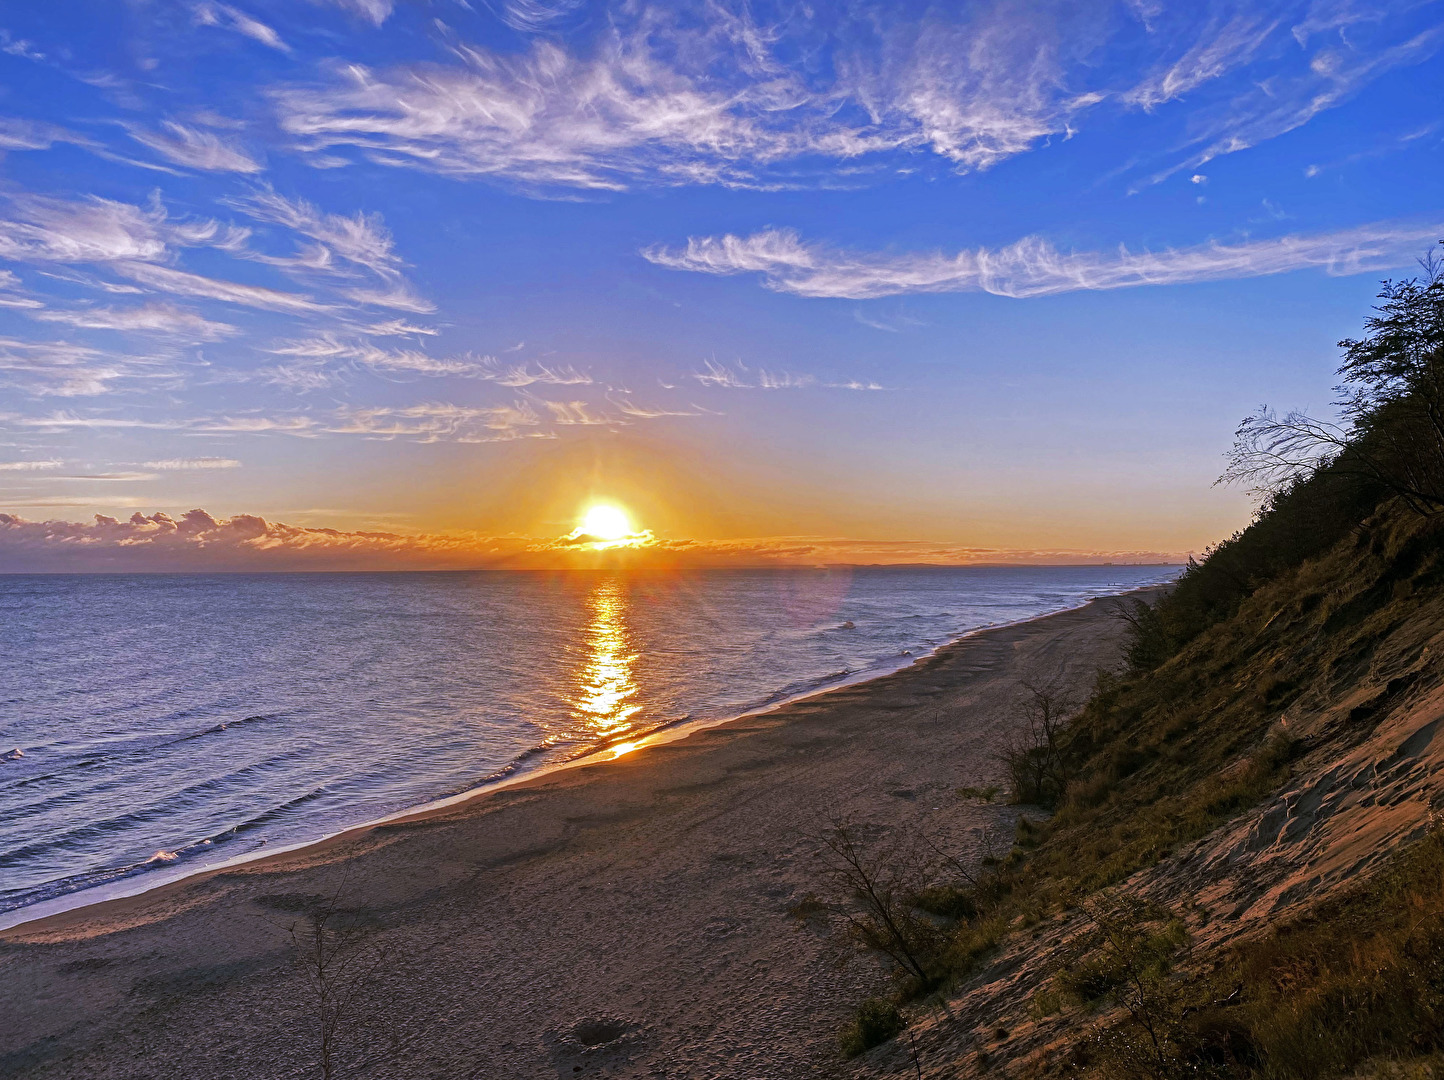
623,919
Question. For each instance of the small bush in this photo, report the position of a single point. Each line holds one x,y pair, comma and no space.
982,794
810,906
1091,979
948,901
972,941
877,1021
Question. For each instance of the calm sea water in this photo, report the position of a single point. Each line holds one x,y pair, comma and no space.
170,722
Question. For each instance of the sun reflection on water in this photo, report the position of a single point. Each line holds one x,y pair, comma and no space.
604,687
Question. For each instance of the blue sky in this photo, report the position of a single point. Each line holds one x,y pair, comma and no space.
994,280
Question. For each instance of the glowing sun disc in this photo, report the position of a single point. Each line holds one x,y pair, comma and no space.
606,523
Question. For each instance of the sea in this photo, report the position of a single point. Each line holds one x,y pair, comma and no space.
155,725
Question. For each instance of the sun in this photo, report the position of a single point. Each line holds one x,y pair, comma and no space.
606,522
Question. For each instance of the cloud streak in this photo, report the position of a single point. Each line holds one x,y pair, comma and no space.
63,369
740,377
1033,266
184,283
196,149
94,230
192,464
155,318
228,18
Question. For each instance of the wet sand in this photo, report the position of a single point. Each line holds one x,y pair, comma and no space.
624,919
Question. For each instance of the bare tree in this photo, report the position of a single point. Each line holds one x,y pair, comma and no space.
881,886
1271,452
1391,399
339,954
1037,765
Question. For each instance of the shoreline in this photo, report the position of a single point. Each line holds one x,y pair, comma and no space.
653,895
137,884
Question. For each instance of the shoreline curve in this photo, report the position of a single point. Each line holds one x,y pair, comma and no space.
134,888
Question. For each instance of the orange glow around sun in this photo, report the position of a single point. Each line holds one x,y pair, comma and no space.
606,522
605,526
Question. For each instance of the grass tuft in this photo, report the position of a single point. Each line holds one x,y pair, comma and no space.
877,1020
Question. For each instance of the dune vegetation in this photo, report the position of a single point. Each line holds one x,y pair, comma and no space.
1233,869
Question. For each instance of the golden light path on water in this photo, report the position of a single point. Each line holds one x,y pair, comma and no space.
605,688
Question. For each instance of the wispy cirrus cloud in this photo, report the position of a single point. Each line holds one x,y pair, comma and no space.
14,295
415,361
153,318
20,134
94,230
331,348
716,94
518,375
399,328
632,410
137,242
662,97
375,12
44,230
38,501
195,148
192,464
1264,109
740,377
1033,266
528,415
442,422
1224,45
531,16
575,413
361,239
229,18
37,465
299,425
397,297
130,477
143,243
338,246
313,360
61,368
184,283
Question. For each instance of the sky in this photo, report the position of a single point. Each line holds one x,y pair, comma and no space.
412,283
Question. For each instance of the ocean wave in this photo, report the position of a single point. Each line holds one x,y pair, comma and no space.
147,748
221,728
161,858
157,811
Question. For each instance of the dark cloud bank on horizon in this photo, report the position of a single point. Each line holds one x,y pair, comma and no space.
198,541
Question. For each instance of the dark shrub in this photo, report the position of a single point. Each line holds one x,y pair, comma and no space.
877,1021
